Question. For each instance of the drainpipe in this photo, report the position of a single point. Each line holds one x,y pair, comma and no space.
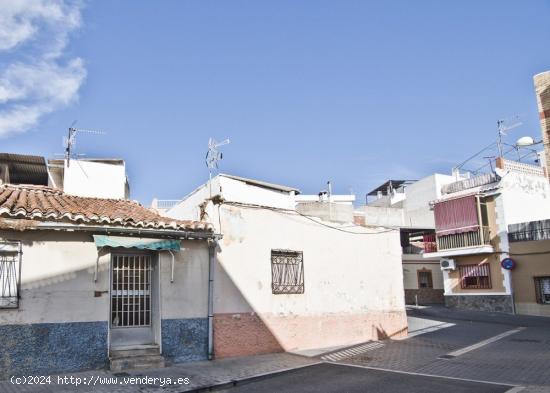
211,261
97,264
171,266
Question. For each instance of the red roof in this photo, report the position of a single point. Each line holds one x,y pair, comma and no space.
39,203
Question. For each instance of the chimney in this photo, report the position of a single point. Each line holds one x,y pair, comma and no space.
542,89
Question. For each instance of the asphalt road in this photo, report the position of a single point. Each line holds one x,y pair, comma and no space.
519,359
341,378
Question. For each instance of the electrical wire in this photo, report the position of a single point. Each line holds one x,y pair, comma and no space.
294,212
475,155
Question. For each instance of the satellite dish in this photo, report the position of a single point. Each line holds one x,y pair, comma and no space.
525,141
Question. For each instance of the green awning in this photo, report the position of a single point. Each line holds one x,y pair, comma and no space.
136,242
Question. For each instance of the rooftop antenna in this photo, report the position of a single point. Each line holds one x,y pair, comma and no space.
69,142
213,157
490,159
504,125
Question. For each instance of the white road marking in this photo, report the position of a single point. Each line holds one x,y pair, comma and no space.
427,330
350,352
436,376
515,389
480,344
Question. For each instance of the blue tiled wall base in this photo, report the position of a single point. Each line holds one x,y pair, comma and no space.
185,339
47,348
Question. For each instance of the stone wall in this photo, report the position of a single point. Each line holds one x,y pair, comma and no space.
498,303
185,340
46,348
425,296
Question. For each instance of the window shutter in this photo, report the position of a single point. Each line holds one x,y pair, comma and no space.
538,293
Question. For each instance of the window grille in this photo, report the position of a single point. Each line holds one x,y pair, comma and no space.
131,290
425,279
10,274
542,289
287,272
475,276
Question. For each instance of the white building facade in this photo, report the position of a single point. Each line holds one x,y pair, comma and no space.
473,218
287,281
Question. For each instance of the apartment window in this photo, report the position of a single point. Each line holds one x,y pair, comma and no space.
10,263
484,212
475,276
542,289
425,278
287,272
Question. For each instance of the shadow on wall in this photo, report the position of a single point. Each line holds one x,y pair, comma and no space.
29,347
253,331
382,334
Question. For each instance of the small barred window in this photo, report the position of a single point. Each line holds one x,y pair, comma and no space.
9,274
475,276
542,289
287,272
425,279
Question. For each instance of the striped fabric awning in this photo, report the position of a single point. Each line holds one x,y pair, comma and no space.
456,215
474,270
136,242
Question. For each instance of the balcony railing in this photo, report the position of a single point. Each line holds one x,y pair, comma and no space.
430,244
481,237
412,249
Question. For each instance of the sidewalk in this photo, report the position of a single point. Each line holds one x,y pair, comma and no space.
201,375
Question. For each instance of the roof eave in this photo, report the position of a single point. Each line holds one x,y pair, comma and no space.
107,229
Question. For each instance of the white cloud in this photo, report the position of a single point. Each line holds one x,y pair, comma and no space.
38,79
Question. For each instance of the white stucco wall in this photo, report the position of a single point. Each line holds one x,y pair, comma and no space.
377,215
353,282
524,197
344,273
57,284
57,280
190,210
187,296
418,197
231,190
95,179
238,191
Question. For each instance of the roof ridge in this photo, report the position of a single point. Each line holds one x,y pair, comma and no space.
58,191
42,203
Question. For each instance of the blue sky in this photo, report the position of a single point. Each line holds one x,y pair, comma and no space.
352,91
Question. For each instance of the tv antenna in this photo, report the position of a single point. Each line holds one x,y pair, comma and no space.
69,141
213,157
505,125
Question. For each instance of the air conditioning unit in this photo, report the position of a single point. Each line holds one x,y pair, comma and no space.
447,264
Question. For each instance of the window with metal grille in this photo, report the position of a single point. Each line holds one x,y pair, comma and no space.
287,272
425,279
10,273
131,290
542,289
475,276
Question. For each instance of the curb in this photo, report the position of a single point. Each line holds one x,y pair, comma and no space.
234,382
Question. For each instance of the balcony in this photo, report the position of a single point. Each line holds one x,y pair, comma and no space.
471,242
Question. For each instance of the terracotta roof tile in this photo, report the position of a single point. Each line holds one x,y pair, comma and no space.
42,203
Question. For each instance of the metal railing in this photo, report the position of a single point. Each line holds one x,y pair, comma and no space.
164,204
430,245
480,237
412,249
